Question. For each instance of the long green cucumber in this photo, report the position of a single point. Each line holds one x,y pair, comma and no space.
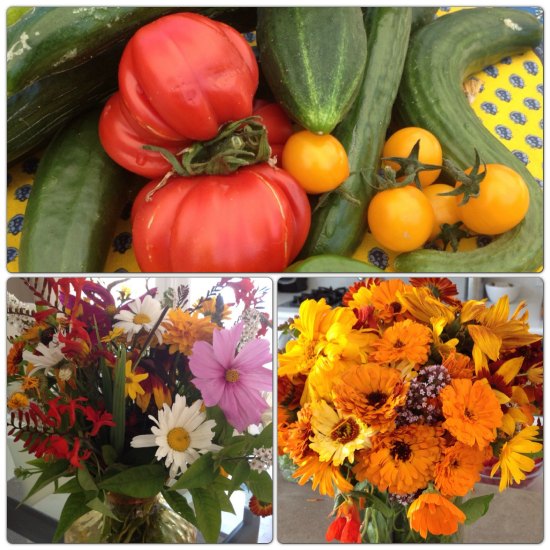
441,56
77,196
330,263
313,59
46,40
339,220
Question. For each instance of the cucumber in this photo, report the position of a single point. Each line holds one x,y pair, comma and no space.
339,219
77,196
441,55
313,59
50,83
332,263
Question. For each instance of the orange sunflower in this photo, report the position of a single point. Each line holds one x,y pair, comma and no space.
471,410
183,329
371,393
432,513
459,469
405,340
402,461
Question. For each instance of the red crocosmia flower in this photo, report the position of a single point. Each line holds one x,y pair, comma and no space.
347,525
98,419
71,408
57,446
75,459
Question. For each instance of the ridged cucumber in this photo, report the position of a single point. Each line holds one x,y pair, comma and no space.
313,59
339,222
441,56
76,198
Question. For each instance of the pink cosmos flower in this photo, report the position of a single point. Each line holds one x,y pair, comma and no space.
233,380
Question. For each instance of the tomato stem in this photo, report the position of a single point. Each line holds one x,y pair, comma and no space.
469,183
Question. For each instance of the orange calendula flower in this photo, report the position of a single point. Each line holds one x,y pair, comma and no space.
432,513
402,461
459,469
183,329
405,340
15,356
458,365
471,410
371,393
512,461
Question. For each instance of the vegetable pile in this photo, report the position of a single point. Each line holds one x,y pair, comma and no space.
277,158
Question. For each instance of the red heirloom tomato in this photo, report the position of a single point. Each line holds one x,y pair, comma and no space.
253,220
184,75
123,140
278,125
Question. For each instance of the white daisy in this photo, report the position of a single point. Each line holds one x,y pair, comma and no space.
140,315
181,434
50,356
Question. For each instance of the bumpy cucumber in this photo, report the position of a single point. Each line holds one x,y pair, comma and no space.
77,196
331,263
339,222
313,59
441,56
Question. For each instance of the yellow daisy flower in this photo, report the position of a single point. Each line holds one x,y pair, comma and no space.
132,387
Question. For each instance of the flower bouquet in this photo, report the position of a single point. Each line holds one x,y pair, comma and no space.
394,401
148,412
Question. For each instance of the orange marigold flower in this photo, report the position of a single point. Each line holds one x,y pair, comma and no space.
459,469
402,461
471,410
458,365
183,329
432,513
372,393
403,340
296,437
15,356
260,508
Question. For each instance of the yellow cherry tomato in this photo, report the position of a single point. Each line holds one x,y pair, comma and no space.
444,207
401,143
319,163
400,219
502,202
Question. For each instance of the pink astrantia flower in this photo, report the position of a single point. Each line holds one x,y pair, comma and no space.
233,380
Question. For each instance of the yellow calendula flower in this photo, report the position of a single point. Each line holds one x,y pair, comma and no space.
183,329
336,438
18,401
512,461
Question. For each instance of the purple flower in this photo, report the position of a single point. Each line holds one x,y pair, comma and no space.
233,380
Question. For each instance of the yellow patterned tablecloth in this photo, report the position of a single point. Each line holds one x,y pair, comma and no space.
509,101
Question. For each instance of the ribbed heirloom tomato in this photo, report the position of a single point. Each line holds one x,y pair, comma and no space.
254,220
180,78
502,202
277,124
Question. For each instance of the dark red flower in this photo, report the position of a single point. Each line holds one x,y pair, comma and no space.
346,527
98,419
259,508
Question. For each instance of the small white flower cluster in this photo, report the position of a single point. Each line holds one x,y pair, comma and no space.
262,459
19,315
252,322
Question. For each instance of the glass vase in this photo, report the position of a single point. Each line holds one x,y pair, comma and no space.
139,520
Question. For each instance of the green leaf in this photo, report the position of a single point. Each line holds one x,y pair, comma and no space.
476,507
179,503
239,470
380,505
265,438
75,507
200,474
99,506
139,482
72,486
51,471
225,502
223,431
208,512
261,486
109,454
85,480
119,402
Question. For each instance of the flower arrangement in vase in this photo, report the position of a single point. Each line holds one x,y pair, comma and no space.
149,412
394,401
